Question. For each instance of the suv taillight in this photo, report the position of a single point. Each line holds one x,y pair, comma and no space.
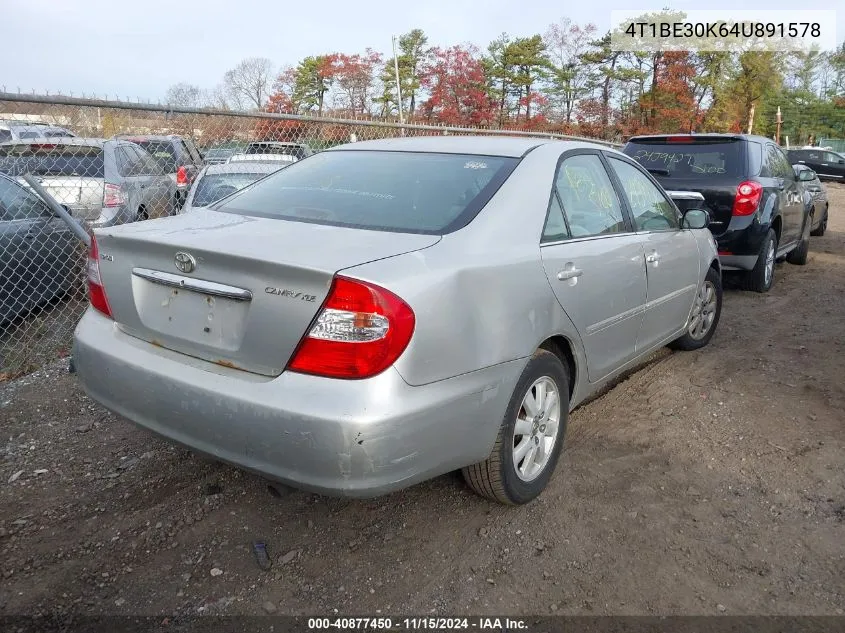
747,198
113,196
181,175
96,291
361,330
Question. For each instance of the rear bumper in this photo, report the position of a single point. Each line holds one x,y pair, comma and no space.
339,437
740,245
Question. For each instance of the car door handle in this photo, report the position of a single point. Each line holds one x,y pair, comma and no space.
652,258
569,273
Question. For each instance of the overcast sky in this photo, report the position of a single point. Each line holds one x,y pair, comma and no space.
138,49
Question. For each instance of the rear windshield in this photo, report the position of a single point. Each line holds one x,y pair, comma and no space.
213,187
52,160
389,191
163,152
273,148
688,160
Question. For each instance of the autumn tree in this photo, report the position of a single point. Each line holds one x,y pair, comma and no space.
454,79
313,78
566,43
248,84
354,75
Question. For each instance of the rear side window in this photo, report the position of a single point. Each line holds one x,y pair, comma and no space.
410,192
589,201
52,160
5,135
162,152
689,160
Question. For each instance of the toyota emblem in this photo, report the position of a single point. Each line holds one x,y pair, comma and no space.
185,262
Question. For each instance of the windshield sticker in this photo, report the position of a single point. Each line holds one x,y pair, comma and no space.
474,164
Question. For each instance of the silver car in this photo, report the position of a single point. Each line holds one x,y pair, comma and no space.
215,182
386,311
102,182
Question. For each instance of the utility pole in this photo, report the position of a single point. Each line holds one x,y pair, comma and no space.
777,136
751,119
398,86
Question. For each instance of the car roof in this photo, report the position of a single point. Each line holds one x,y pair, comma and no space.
257,158
147,137
706,135
61,140
244,167
278,143
512,146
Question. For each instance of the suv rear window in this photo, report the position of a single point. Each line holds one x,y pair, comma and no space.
162,151
53,160
378,190
688,160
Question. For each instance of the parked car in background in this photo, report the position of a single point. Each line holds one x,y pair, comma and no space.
282,159
11,130
218,155
101,182
815,189
828,165
297,150
215,182
387,311
757,209
37,251
177,156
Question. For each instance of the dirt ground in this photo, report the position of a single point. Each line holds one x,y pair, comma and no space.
706,483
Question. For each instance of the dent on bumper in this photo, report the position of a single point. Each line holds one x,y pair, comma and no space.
353,438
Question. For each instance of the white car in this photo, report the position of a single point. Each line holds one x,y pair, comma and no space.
215,182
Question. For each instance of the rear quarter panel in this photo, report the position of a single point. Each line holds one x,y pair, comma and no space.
481,296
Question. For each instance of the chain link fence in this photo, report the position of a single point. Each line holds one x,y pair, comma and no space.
108,163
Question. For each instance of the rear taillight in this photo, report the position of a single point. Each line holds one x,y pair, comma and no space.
182,176
361,330
96,291
747,199
113,196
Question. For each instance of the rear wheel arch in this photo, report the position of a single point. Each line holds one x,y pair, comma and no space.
777,225
561,347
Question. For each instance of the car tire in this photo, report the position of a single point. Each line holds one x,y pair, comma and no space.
507,475
822,228
799,255
141,215
704,316
762,276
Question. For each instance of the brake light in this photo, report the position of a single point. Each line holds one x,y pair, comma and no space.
42,146
361,330
113,196
747,198
679,139
96,291
181,176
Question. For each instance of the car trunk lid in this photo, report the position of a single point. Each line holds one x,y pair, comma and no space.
234,290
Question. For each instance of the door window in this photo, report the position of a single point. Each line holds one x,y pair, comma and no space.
589,203
16,203
650,208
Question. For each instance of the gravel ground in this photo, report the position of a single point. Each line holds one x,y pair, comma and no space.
705,483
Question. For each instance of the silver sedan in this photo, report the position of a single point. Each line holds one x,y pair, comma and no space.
387,311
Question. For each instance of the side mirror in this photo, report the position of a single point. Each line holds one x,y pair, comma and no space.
696,219
842,161
68,209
